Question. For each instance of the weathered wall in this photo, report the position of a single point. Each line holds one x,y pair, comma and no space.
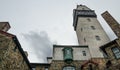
87,36
78,65
115,26
115,62
10,57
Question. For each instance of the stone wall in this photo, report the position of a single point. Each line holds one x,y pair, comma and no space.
10,56
115,26
114,63
79,65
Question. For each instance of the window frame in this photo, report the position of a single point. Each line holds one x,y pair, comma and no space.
116,52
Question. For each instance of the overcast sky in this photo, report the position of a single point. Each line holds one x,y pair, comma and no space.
39,24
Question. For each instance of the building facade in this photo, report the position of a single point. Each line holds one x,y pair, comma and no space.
94,52
87,55
111,50
115,26
12,56
68,57
89,30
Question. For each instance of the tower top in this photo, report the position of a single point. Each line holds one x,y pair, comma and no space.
82,7
82,11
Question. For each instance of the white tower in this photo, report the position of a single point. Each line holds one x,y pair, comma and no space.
89,30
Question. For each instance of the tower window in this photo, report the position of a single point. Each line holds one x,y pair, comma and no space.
89,19
116,52
81,29
97,38
93,27
84,53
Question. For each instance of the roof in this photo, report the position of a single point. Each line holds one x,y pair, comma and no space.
70,46
108,44
21,51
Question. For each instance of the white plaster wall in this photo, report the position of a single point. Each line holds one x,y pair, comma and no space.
89,34
58,53
77,53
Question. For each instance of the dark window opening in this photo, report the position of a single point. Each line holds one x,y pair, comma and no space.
84,53
93,27
81,29
108,64
90,67
89,19
97,38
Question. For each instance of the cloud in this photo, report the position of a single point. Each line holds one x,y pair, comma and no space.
40,44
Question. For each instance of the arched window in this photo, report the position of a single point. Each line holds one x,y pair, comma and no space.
69,68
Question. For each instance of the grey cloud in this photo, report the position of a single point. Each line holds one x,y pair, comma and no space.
40,43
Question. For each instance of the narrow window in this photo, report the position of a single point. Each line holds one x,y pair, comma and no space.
92,27
81,29
84,40
90,67
89,19
97,37
84,53
116,52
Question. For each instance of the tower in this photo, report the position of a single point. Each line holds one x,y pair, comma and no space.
89,30
115,26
